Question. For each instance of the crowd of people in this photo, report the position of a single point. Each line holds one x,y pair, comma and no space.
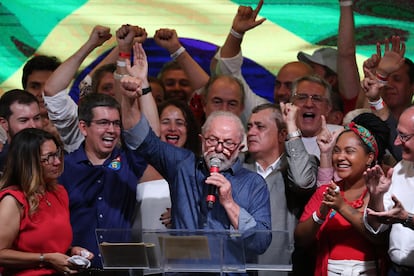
329,162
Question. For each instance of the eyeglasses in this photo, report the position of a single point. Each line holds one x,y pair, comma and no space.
104,124
404,137
316,99
214,142
51,157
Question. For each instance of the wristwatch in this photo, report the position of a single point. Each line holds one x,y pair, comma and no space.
294,134
408,221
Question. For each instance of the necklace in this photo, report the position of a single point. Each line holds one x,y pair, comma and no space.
44,197
357,203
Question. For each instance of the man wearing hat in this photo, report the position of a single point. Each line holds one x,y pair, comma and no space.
338,66
323,62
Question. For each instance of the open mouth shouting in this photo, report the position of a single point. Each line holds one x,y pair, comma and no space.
109,141
308,116
172,139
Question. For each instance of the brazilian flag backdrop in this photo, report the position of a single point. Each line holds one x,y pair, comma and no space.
60,27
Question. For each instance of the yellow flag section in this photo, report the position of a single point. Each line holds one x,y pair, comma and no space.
210,20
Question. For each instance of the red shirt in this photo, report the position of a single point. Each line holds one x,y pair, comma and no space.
336,239
46,231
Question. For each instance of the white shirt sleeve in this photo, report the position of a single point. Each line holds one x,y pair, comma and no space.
380,229
232,66
63,112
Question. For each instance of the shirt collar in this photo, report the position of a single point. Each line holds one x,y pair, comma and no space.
201,164
271,167
80,156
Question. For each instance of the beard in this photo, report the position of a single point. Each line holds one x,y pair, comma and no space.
226,162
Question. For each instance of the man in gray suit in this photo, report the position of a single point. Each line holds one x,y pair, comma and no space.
277,153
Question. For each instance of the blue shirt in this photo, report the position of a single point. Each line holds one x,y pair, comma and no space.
186,176
101,196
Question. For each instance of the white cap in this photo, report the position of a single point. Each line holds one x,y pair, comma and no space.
323,56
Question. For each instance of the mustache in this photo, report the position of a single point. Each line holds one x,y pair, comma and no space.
220,156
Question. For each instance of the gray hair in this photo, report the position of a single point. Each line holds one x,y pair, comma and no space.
225,114
276,114
315,79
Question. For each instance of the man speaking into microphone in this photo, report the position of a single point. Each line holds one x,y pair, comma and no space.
241,199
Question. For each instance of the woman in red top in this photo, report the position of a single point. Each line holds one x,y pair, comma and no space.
333,216
35,230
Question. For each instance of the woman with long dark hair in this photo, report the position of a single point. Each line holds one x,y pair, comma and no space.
35,229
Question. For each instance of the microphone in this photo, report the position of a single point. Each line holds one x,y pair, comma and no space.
215,164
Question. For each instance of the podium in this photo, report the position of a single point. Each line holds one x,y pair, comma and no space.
163,251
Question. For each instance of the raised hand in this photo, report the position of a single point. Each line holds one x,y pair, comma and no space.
245,18
325,139
289,112
131,87
393,58
126,35
140,35
371,86
140,67
371,64
167,39
377,182
99,35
